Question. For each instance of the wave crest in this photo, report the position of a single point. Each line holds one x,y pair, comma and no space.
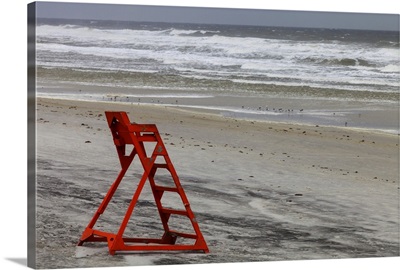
341,62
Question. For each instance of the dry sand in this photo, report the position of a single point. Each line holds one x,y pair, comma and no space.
260,191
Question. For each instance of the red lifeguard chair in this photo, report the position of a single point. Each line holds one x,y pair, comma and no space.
126,133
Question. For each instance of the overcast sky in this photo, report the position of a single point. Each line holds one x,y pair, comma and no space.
218,16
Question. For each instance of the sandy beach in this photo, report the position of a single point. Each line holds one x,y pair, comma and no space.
260,191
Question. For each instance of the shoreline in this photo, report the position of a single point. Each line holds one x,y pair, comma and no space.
220,113
349,111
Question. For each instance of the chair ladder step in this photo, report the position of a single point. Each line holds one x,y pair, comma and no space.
147,138
174,211
161,165
162,188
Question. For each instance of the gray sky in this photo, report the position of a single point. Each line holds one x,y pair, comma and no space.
361,21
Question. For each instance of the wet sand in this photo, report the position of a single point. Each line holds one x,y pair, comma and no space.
283,106
260,191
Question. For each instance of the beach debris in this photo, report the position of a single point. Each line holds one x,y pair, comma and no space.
88,142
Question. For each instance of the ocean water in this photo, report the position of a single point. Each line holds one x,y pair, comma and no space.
265,73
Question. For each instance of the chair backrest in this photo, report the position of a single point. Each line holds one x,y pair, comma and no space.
120,127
